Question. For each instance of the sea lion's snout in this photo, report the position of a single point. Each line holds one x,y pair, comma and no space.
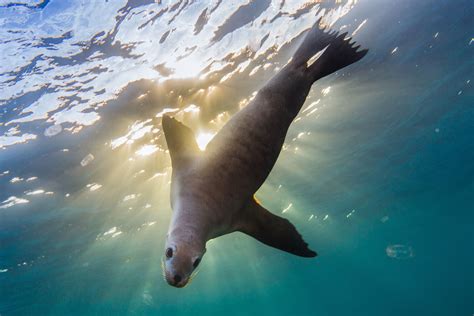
176,280
176,270
180,261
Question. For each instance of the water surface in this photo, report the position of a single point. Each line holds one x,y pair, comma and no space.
377,170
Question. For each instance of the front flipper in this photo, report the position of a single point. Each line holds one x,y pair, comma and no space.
181,142
272,230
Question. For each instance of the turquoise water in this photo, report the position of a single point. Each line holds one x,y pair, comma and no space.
379,179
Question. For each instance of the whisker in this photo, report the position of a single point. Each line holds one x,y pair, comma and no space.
163,273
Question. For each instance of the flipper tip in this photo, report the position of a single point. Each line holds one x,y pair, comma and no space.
306,252
312,254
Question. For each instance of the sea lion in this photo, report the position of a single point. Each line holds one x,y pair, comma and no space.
212,191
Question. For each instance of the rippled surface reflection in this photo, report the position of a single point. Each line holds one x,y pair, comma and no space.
377,166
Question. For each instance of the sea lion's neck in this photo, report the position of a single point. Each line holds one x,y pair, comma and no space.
186,226
189,235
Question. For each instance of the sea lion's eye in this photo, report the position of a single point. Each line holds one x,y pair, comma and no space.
196,262
169,253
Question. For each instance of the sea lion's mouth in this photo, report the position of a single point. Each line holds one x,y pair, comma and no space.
175,279
180,284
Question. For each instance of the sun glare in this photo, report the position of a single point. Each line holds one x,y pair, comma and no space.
203,139
146,150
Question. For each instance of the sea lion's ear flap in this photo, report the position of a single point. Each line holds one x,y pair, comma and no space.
181,141
272,230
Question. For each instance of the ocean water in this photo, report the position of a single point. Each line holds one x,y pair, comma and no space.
377,171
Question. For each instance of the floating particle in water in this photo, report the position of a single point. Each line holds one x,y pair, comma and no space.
87,160
141,96
326,91
53,130
31,179
436,130
166,110
312,112
3,270
460,92
11,201
399,251
310,217
94,186
35,192
436,35
146,150
359,27
394,50
111,231
384,219
16,179
129,197
350,213
312,105
255,70
287,208
192,108
326,217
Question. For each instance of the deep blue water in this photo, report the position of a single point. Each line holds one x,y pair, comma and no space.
379,179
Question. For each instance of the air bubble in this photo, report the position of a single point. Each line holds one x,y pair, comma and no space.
53,130
399,251
87,159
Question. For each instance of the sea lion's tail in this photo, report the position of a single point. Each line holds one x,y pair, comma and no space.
323,52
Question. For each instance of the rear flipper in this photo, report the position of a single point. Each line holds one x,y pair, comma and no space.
272,230
338,53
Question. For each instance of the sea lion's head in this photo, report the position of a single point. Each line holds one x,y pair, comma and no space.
181,258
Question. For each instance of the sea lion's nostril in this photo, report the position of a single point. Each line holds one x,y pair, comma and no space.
177,278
